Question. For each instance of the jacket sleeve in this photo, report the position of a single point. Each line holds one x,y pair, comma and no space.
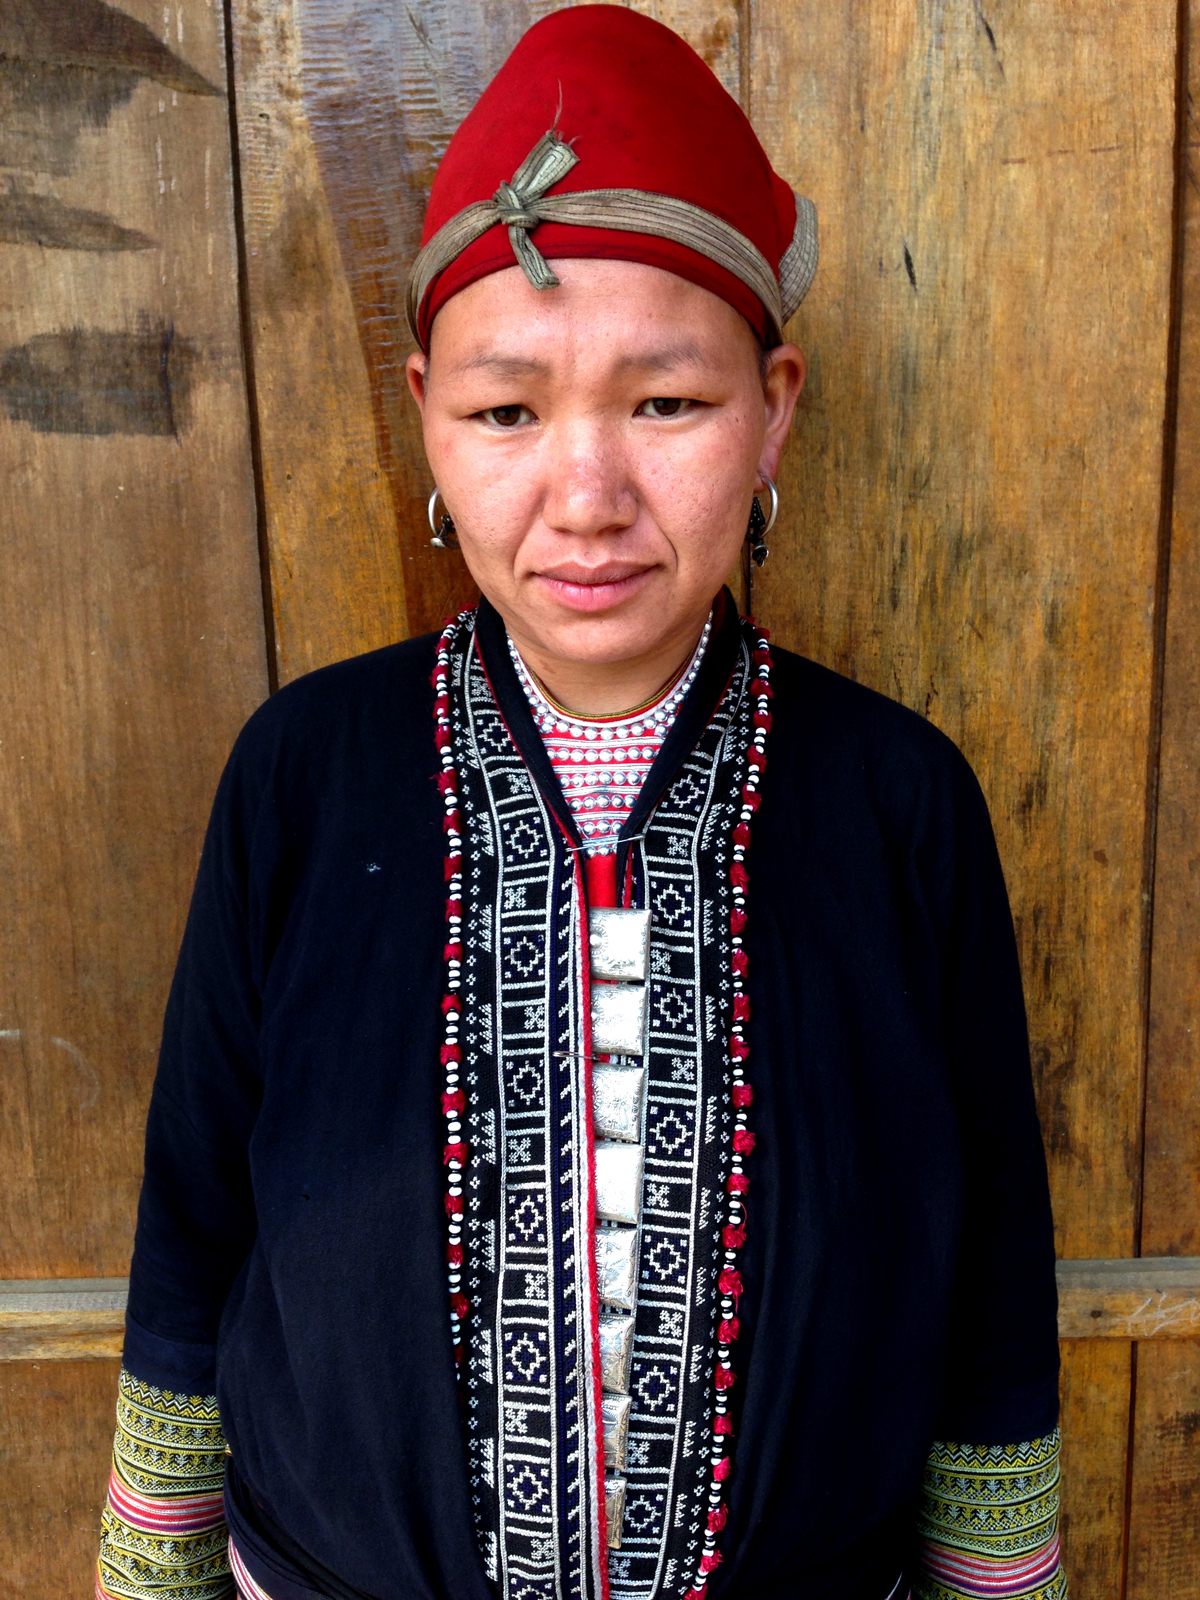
163,1526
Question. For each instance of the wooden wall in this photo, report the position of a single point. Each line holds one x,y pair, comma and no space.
212,481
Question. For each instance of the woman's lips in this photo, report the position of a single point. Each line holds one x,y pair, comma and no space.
598,589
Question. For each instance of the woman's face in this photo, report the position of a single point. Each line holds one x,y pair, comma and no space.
598,446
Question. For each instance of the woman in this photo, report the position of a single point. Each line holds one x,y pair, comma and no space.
593,1147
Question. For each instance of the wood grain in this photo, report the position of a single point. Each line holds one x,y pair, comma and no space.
131,632
1171,1207
61,1319
56,1433
971,504
337,577
1129,1299
1164,1523
1095,1388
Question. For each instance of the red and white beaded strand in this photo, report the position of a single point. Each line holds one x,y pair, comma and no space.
733,1233
454,1101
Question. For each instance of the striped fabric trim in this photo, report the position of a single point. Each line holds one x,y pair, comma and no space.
246,1587
988,1522
162,1533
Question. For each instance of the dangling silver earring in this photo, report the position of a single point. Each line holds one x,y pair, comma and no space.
760,526
444,535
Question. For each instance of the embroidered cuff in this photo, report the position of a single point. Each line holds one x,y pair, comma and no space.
162,1534
988,1522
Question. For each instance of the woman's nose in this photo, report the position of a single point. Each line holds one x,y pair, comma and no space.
588,487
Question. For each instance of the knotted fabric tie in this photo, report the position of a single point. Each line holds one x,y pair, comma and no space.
523,203
516,203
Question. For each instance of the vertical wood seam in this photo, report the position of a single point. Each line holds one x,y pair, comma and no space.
1162,578
245,322
1127,1508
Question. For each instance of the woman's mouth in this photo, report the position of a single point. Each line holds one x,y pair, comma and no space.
594,588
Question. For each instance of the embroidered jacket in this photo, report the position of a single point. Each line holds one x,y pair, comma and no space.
293,1231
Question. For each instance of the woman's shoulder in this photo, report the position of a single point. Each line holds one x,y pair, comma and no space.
846,737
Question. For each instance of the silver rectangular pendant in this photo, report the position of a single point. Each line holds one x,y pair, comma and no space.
618,1019
616,1266
614,1509
616,1353
618,1181
615,1409
619,943
618,1094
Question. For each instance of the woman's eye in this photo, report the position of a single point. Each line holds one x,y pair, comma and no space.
507,416
663,407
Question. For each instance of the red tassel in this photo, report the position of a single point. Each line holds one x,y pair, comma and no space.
710,1563
452,952
741,834
741,962
451,1003
729,1330
738,1048
717,1519
762,719
738,876
760,688
455,1152
736,1183
441,738
454,1255
751,798
446,783
730,1282
452,822
453,909
741,1007
756,759
723,1425
722,1469
458,1304
743,1095
453,865
743,1141
697,1594
737,919
734,1238
456,1101
449,1053
454,1205
441,705
725,1378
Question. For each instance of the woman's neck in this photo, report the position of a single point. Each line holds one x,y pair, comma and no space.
609,688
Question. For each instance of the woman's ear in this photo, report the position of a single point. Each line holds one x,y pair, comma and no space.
783,380
416,369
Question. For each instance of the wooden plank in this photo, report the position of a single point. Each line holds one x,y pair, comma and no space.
131,631
1095,1390
59,1319
56,1433
332,93
970,510
1129,1299
337,577
1171,1207
1164,1521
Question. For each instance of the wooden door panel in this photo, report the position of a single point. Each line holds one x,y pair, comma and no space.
1164,1501
131,628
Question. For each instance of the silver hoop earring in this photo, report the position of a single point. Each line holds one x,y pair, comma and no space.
760,526
444,535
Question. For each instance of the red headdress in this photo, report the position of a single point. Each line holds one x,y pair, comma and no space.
647,158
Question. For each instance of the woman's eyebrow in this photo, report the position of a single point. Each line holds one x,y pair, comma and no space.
503,366
686,353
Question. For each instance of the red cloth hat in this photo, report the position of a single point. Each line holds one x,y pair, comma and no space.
648,159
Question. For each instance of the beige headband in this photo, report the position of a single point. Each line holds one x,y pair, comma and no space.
522,204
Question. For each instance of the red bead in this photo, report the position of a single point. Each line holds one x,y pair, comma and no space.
743,1141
